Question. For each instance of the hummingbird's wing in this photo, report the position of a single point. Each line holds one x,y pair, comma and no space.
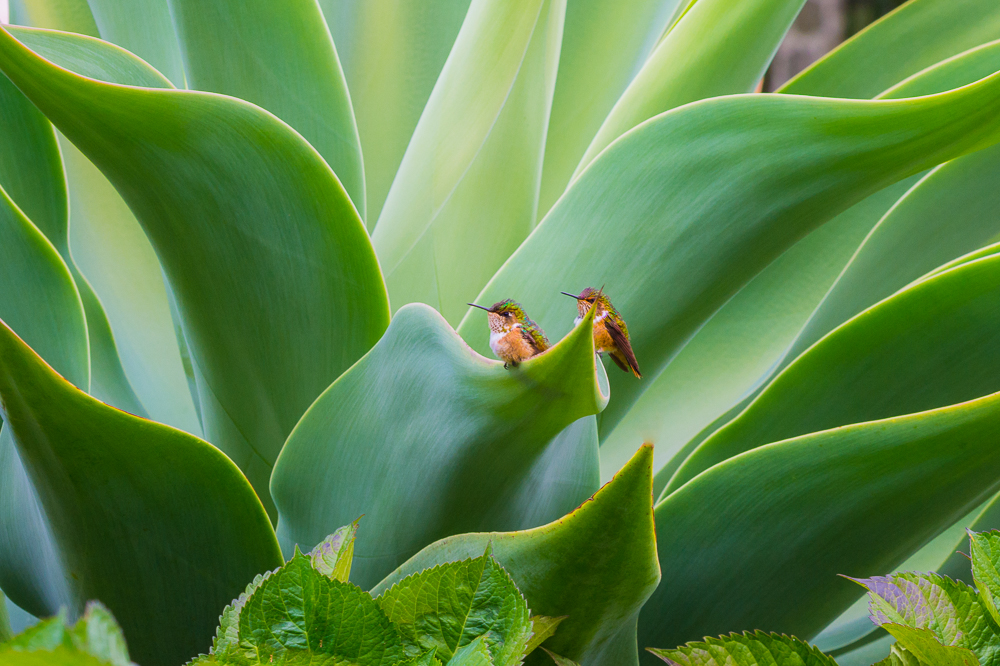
533,336
624,346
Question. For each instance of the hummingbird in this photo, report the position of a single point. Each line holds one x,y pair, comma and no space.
513,337
610,331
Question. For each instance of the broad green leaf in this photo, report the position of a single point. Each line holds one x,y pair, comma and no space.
915,36
333,555
425,411
68,15
927,613
985,553
596,565
31,170
449,606
5,630
542,628
143,27
115,488
788,164
747,649
475,653
856,499
928,346
276,282
95,635
923,649
739,345
114,254
945,215
392,53
279,56
299,615
604,44
717,48
467,188
41,301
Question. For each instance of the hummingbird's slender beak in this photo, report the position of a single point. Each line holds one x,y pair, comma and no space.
478,306
564,293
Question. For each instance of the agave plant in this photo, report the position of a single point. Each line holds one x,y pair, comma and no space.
242,236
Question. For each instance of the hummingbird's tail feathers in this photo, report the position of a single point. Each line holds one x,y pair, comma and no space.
623,348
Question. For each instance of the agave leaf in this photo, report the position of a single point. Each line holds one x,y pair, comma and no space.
45,307
789,163
917,35
32,172
739,345
143,27
718,48
928,346
287,306
801,511
392,53
596,565
446,607
423,410
985,551
467,188
605,42
69,15
748,649
115,488
279,56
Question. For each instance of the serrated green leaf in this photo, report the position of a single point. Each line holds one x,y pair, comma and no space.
298,613
255,235
115,489
96,635
718,48
748,649
333,555
985,553
560,661
542,628
475,653
449,606
915,36
875,366
790,163
280,57
392,54
466,192
604,44
937,619
417,409
799,512
596,565
923,649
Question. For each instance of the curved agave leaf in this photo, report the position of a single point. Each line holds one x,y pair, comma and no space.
124,497
143,27
686,66
32,171
461,438
45,307
931,345
276,282
914,37
69,15
279,56
729,356
854,500
604,44
392,53
467,189
908,241
596,565
788,164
